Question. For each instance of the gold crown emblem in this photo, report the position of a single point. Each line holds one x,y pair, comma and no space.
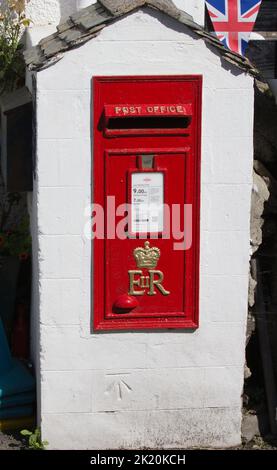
147,257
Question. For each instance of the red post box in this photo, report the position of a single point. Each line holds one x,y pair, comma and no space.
146,177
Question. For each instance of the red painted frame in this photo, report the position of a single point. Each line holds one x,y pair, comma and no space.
121,322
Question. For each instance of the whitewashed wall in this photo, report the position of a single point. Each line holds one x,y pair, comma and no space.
196,8
184,388
43,12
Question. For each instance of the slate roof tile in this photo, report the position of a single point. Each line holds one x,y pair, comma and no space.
54,46
90,17
121,7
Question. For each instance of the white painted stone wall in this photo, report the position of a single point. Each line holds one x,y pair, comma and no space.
184,388
43,12
196,8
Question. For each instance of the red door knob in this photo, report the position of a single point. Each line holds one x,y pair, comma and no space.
125,303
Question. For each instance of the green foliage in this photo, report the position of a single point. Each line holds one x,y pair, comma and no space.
34,439
15,240
13,21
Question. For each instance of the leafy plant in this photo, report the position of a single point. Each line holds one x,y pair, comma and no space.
12,23
7,202
15,239
17,242
34,439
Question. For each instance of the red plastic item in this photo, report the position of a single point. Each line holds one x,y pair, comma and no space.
20,335
125,303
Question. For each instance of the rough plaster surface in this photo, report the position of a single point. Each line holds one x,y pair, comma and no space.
260,194
148,389
43,12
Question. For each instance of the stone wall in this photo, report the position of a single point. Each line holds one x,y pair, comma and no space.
264,209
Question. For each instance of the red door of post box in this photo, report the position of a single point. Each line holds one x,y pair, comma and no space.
146,186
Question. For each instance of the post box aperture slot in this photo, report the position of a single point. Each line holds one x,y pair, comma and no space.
153,122
147,119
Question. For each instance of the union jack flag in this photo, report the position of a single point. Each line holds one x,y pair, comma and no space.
233,21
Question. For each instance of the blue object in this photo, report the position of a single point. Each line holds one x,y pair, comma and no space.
17,385
16,412
24,398
5,355
17,380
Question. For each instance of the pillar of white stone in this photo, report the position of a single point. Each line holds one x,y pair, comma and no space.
46,12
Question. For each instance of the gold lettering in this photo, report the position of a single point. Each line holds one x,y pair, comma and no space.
144,281
157,282
155,109
135,282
